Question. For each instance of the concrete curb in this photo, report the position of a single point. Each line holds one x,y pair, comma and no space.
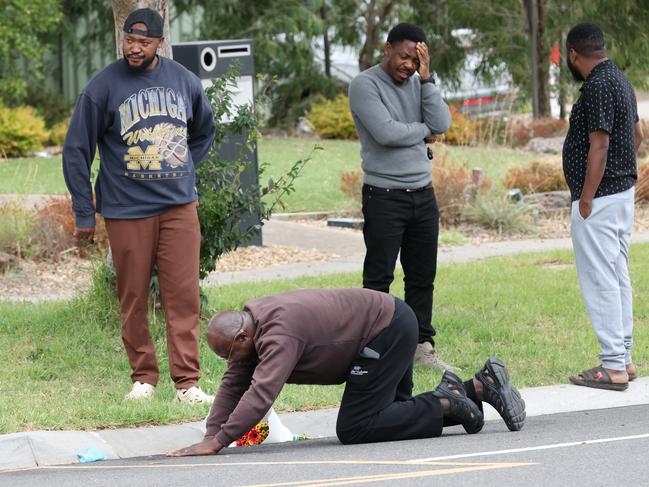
302,215
39,448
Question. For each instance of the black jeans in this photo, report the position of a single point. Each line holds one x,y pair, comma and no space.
396,220
377,404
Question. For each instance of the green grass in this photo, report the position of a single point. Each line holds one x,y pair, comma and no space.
64,365
451,237
317,189
32,176
494,161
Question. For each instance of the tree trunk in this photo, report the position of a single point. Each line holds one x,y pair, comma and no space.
532,35
327,44
562,77
375,14
543,68
539,60
121,9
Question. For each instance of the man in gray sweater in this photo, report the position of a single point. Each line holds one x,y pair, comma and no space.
395,112
363,338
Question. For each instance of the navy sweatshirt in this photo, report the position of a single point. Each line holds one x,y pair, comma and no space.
152,129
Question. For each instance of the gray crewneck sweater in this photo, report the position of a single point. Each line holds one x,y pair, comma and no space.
392,121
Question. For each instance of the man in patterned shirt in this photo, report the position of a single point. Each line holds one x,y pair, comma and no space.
599,163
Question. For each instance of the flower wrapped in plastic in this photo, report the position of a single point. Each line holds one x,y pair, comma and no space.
255,436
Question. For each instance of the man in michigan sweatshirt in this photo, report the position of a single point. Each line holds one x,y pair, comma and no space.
152,122
395,111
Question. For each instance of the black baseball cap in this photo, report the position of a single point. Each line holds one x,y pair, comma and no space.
149,17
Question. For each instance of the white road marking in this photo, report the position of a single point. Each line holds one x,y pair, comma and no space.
531,448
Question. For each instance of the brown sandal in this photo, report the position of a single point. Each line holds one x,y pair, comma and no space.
598,378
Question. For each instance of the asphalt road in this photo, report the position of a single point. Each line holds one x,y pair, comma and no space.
591,448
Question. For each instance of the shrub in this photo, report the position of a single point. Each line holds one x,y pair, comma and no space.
548,127
453,186
45,232
450,181
498,213
332,119
642,186
463,130
493,131
100,305
643,150
224,202
521,130
58,132
21,131
53,232
537,177
351,184
292,92
16,224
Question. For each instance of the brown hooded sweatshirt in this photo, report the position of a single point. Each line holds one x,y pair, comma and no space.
309,336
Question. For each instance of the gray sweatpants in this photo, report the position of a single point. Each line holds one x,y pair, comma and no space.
601,245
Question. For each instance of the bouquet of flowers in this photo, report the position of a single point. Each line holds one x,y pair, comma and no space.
255,436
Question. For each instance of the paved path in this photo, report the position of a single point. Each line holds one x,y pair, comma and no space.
345,243
348,246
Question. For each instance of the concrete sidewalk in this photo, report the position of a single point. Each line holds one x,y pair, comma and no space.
38,448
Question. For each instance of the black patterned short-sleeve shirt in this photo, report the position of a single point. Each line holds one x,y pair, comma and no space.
607,102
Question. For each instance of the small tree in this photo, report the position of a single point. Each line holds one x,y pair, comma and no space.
223,200
21,52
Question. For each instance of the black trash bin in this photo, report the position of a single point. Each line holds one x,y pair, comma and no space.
209,60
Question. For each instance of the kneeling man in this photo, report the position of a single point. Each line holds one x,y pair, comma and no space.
362,337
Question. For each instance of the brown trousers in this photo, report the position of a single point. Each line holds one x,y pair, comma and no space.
172,241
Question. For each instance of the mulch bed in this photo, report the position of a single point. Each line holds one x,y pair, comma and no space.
35,280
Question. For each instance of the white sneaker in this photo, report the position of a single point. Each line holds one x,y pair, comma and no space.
193,395
425,355
140,390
